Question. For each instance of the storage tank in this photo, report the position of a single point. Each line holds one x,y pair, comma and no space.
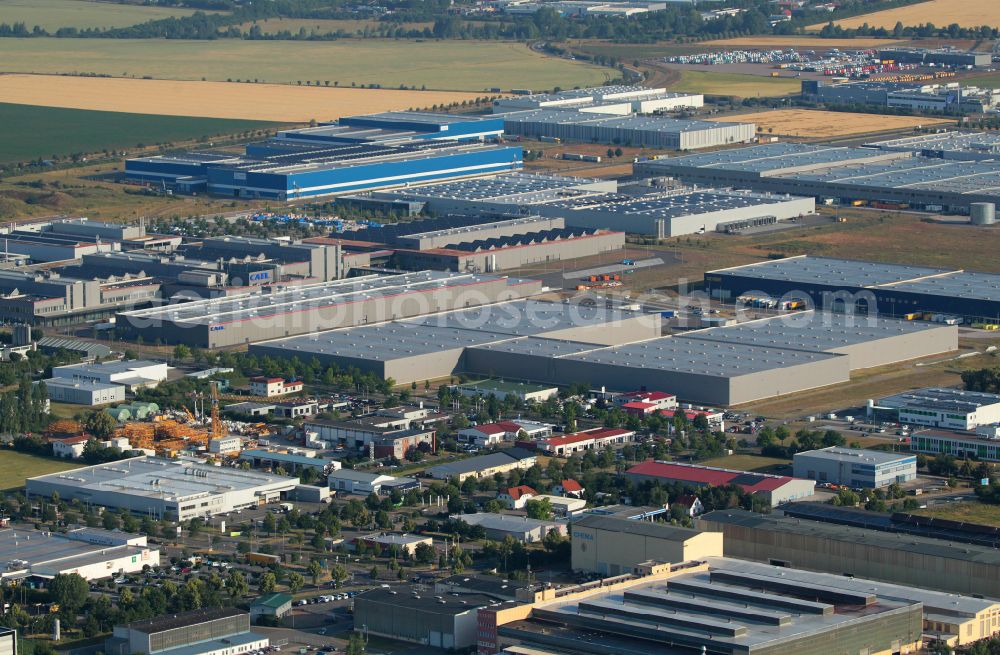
983,213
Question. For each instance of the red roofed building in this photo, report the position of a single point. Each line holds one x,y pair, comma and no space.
595,439
638,408
776,489
266,387
516,497
570,488
715,418
491,434
658,398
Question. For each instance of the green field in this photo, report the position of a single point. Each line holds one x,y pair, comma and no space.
735,84
16,467
46,131
81,14
748,463
972,512
445,65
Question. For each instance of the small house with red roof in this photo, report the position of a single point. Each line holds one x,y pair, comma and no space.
775,489
568,487
659,399
516,497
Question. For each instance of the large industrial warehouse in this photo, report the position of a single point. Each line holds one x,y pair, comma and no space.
482,242
360,152
907,559
434,346
91,553
163,488
848,174
641,131
867,287
599,204
721,606
964,146
613,100
785,356
244,319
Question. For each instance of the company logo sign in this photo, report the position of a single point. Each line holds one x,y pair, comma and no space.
263,275
586,536
216,328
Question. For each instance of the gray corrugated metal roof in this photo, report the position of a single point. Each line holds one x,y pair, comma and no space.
644,528
886,540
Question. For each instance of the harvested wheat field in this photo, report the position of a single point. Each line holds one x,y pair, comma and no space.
968,13
264,102
827,124
800,42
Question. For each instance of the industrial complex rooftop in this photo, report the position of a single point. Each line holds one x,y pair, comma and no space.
901,288
844,533
947,145
955,400
765,159
510,188
159,478
865,174
853,455
25,551
327,294
812,330
714,359
850,273
733,607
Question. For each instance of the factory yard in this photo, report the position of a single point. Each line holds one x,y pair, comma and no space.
971,13
16,467
800,42
827,124
265,102
734,84
387,63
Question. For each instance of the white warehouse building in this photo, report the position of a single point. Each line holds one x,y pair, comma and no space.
951,409
164,488
83,392
91,553
855,467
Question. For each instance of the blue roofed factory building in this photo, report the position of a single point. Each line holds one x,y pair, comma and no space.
356,153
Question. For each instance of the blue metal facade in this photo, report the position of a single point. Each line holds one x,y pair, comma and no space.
469,127
831,296
155,170
370,175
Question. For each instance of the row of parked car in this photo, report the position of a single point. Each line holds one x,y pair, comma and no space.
326,599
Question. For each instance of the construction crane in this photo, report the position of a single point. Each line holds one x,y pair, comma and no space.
218,431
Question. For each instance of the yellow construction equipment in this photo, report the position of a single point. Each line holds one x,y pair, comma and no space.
218,431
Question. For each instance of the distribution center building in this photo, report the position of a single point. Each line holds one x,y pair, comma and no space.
639,131
599,203
849,551
720,366
357,153
855,467
355,301
163,488
890,178
864,287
